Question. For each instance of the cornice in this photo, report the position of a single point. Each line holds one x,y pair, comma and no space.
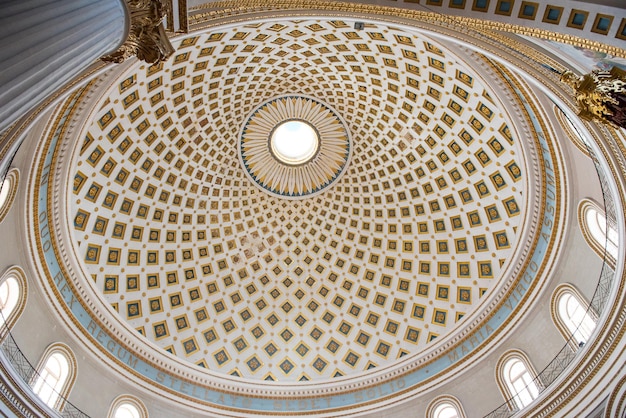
244,10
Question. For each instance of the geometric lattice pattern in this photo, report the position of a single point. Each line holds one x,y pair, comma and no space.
210,268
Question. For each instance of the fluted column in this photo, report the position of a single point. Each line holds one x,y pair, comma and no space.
45,43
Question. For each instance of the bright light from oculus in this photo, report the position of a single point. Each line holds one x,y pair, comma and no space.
294,142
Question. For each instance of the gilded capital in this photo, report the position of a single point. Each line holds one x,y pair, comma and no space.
601,95
146,39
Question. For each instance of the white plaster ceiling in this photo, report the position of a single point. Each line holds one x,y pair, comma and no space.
226,276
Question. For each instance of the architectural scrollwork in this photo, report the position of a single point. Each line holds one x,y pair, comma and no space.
601,95
146,38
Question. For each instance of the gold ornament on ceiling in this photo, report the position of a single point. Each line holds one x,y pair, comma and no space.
600,95
146,39
194,256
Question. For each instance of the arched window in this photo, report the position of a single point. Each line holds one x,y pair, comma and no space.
599,235
55,376
127,410
571,315
9,296
12,297
517,379
445,407
446,410
125,406
8,190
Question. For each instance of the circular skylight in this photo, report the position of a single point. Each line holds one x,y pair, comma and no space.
294,142
294,146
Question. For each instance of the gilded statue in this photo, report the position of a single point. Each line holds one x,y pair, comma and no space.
146,38
601,95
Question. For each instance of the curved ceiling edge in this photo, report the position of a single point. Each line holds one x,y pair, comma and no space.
398,381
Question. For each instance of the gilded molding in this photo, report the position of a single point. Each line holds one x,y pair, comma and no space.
229,8
12,181
598,350
583,207
399,373
13,393
18,274
128,399
318,394
617,400
147,38
183,22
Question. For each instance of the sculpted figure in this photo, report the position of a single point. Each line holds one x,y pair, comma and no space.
601,95
147,38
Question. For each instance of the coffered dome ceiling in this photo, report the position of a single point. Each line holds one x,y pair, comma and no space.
409,234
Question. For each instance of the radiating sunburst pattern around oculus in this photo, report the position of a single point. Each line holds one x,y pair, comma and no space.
299,180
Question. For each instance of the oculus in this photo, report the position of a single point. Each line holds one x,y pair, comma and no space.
294,146
294,142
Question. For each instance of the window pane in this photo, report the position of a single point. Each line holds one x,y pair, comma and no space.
520,383
51,379
596,222
127,410
575,317
9,294
4,191
44,387
446,410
